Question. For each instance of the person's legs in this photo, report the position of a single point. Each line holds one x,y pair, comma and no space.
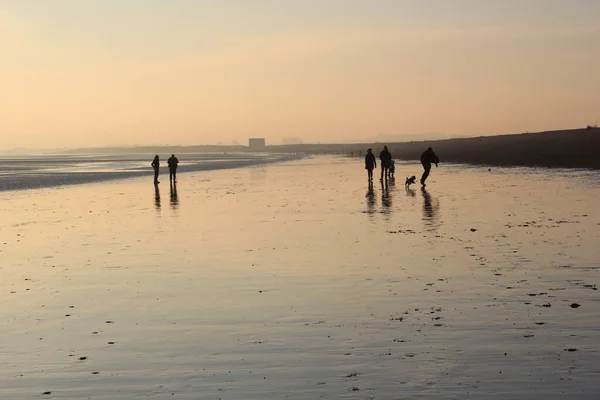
427,168
175,175
370,174
171,174
155,175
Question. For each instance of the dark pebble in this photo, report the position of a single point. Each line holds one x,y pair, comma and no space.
575,305
83,358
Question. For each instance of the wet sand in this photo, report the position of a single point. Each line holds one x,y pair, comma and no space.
295,281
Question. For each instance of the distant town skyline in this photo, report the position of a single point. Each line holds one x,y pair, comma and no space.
146,72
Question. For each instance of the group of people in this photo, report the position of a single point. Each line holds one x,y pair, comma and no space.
388,167
172,162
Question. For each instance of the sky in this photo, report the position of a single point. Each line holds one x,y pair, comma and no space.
88,73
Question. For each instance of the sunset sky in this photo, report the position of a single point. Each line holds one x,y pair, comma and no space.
78,73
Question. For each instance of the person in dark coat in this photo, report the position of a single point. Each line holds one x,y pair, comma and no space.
173,162
386,159
156,165
427,158
370,163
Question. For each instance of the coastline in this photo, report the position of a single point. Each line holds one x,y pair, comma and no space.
568,148
573,148
36,172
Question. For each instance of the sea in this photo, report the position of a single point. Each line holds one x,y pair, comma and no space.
49,170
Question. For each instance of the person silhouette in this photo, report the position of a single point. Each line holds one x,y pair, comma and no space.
386,157
427,158
392,168
156,165
370,164
173,162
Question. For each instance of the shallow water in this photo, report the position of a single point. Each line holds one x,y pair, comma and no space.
42,171
296,281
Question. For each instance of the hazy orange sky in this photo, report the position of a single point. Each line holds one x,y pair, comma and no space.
108,72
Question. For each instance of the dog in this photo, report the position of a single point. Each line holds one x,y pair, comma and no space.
410,181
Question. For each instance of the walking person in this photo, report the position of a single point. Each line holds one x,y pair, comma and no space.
172,162
386,158
156,165
427,158
370,164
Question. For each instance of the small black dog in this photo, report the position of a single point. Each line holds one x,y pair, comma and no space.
410,181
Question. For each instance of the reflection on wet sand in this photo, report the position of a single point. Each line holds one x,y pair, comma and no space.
370,199
174,198
258,174
410,192
156,196
386,198
430,210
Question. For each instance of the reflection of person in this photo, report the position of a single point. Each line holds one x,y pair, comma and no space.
427,158
174,199
386,157
156,197
370,163
370,199
155,164
386,198
172,162
428,212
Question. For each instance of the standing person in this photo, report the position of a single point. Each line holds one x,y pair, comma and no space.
427,158
392,168
155,164
386,157
172,162
370,164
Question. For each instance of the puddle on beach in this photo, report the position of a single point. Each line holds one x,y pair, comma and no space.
297,281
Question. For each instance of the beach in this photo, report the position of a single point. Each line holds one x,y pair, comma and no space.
294,280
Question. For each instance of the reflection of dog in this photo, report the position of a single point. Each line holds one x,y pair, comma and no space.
410,181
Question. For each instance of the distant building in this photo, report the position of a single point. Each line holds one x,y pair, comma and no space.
256,143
